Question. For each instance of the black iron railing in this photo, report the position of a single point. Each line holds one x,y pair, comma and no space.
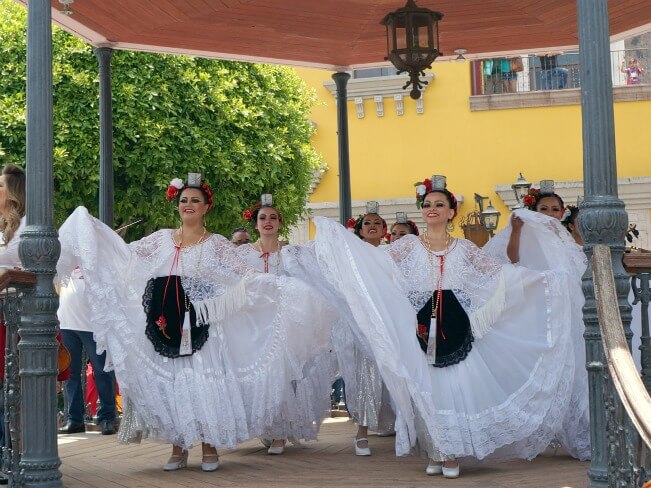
12,284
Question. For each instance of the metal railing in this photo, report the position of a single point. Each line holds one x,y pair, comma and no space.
555,71
628,404
12,283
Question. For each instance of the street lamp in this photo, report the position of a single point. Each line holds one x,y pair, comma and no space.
412,42
490,218
520,188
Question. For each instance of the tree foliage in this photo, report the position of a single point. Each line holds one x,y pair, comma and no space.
243,126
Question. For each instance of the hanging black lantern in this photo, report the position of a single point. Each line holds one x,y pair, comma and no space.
412,42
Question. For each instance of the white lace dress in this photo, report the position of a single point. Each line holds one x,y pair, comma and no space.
228,390
546,244
510,393
305,401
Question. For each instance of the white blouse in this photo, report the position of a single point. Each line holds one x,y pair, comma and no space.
9,253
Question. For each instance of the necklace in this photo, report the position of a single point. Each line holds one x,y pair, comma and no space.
437,294
185,348
266,256
201,239
192,278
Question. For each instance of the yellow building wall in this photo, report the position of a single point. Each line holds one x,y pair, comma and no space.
475,150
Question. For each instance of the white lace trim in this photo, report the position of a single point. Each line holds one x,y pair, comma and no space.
213,310
482,319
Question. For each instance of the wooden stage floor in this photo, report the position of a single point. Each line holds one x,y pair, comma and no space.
93,460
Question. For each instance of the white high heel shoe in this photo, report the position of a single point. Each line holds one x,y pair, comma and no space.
451,473
176,462
361,451
209,466
276,449
433,468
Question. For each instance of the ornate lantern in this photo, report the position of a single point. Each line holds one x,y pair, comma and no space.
520,188
412,42
490,218
474,229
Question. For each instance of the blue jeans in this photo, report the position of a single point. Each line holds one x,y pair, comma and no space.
338,391
554,79
76,341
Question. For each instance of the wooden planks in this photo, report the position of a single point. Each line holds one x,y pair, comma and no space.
98,461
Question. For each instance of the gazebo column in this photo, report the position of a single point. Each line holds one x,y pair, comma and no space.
106,179
345,205
602,219
39,251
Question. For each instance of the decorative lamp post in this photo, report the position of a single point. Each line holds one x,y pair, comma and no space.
520,188
412,42
490,218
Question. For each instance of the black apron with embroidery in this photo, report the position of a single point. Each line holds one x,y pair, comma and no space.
155,307
453,336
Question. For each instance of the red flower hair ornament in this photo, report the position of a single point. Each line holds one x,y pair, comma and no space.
436,183
531,198
176,186
248,213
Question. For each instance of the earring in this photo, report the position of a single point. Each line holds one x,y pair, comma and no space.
450,227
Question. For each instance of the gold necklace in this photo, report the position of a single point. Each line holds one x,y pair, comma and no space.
200,241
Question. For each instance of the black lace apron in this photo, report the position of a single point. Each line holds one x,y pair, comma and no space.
155,307
453,335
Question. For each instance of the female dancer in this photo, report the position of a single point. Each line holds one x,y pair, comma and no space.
528,241
498,388
402,227
210,337
370,403
305,402
543,201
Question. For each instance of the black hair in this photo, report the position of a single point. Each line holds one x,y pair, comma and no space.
410,223
254,217
239,229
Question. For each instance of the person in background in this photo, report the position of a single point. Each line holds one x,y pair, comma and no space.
552,76
402,227
571,222
73,316
633,72
240,236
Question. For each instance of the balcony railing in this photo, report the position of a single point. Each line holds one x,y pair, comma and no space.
555,71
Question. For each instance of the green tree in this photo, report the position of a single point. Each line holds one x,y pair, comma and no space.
243,126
